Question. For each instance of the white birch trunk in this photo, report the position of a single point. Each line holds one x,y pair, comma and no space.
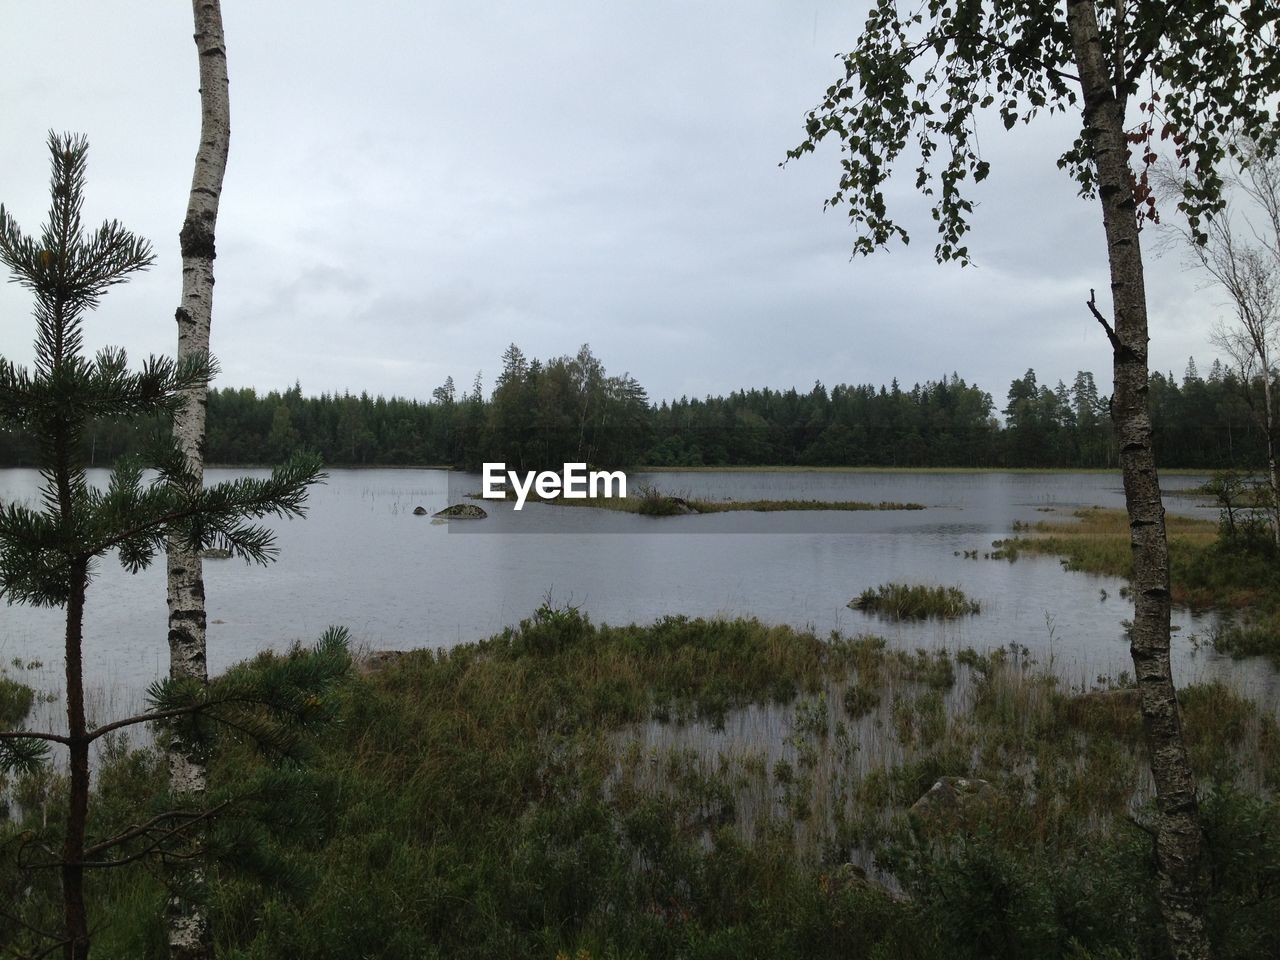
188,923
1177,846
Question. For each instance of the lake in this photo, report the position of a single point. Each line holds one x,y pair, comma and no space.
397,581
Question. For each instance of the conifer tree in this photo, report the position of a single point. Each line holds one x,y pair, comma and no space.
48,552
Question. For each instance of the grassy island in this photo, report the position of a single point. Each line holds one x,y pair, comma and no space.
901,601
650,502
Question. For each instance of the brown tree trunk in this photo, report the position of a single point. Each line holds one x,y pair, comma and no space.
1178,823
189,937
75,917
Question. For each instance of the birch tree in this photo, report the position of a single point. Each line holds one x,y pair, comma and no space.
1138,73
188,923
1240,251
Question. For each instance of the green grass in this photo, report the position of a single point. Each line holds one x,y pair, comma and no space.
585,791
1096,540
901,601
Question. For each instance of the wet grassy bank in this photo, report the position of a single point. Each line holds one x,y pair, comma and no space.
1234,569
703,789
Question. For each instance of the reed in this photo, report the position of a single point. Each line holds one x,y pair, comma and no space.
901,601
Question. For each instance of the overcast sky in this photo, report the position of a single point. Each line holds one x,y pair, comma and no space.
414,185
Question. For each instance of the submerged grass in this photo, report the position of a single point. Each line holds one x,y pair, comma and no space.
901,601
711,789
764,506
1096,540
1209,567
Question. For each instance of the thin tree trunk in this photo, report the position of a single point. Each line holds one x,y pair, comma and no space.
75,917
189,936
1268,426
1178,823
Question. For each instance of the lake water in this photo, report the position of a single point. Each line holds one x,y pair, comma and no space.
363,560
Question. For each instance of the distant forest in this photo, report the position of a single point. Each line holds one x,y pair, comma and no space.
541,414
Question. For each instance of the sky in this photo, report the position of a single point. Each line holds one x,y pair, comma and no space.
414,185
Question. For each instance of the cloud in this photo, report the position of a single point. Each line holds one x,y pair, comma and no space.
414,185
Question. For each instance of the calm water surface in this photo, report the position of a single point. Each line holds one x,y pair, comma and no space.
362,560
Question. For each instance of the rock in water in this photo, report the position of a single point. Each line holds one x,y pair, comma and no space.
419,511
461,511
215,553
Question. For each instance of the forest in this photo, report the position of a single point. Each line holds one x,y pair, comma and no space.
542,413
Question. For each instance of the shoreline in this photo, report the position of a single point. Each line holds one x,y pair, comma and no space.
959,471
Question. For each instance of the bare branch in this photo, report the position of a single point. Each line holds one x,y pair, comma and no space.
146,827
169,714
1111,333
151,847
33,735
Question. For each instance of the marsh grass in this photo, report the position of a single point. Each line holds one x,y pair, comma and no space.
708,789
901,601
1096,540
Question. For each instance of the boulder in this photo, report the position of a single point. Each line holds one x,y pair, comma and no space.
951,805
461,511
419,511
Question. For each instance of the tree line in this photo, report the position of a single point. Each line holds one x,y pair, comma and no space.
541,414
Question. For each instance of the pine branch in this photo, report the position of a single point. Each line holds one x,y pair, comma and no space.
153,846
265,698
24,752
149,826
